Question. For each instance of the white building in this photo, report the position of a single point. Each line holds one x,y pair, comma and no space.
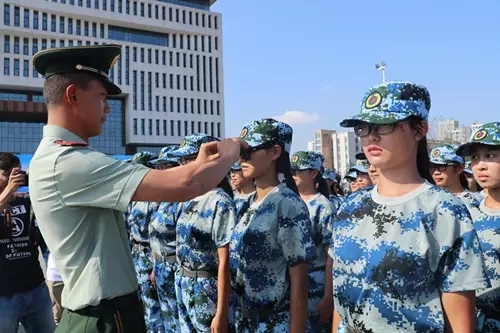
475,126
311,146
461,134
446,128
345,147
170,70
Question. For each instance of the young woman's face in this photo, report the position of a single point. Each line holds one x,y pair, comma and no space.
353,185
445,175
374,174
256,162
304,178
363,180
485,165
237,179
395,148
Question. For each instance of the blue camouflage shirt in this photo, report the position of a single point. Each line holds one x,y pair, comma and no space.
321,213
394,256
162,229
487,224
139,218
204,224
240,200
272,235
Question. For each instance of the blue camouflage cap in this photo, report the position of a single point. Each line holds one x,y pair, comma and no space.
164,157
486,134
259,132
351,174
360,156
306,159
330,174
391,102
467,168
191,144
143,157
236,166
360,166
445,155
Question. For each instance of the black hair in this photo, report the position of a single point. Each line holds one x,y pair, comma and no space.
224,184
463,181
55,86
283,166
8,161
423,161
321,184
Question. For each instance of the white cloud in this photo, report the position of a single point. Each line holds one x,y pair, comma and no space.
293,117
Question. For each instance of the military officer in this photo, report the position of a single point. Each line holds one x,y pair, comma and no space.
79,194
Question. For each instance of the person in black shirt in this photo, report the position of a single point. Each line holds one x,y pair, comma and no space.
24,296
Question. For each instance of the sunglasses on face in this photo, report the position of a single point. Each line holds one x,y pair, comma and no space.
296,172
246,153
364,129
440,167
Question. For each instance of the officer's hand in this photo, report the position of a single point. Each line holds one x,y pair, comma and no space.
231,148
16,179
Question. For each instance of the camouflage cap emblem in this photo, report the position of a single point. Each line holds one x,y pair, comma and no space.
373,100
243,132
436,153
480,135
295,159
182,144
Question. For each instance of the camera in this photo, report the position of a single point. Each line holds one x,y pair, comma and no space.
25,183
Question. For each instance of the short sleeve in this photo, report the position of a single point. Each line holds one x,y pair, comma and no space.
224,221
294,232
85,177
461,264
326,216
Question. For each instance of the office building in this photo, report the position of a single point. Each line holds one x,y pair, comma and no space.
446,128
170,70
322,143
345,147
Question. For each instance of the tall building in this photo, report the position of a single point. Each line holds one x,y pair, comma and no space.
446,128
461,134
345,147
170,70
323,144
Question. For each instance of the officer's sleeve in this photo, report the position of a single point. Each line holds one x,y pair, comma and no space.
85,177
294,232
460,263
224,221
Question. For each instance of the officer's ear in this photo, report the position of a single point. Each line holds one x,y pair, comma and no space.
70,95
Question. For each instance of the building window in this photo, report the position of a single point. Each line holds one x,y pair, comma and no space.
26,18
16,45
16,67
35,20
44,21
6,14
6,66
53,23
6,44
26,46
26,68
17,16
134,126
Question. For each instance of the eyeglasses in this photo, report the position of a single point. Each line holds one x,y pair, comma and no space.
364,129
440,167
295,172
246,154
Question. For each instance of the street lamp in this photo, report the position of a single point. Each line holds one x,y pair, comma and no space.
381,67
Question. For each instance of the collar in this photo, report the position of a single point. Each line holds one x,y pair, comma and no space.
61,133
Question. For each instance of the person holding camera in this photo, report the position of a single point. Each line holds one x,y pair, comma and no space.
24,296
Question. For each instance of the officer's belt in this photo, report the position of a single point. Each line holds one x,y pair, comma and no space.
109,305
170,258
197,273
317,269
490,313
264,311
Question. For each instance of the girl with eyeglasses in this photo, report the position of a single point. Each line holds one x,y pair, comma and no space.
447,170
203,230
272,245
406,256
306,172
162,238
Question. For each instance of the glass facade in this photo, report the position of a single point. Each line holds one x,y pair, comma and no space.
198,4
137,36
23,137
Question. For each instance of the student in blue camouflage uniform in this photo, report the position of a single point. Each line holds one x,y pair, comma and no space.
138,225
447,170
243,187
373,171
330,177
350,177
203,228
472,184
484,149
406,254
306,172
272,245
361,168
162,239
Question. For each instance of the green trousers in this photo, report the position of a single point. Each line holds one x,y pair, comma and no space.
104,318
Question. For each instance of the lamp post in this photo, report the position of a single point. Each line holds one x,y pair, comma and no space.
381,67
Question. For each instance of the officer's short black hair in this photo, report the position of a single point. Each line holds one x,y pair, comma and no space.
8,161
55,86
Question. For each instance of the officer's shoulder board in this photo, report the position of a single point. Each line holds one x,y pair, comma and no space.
63,143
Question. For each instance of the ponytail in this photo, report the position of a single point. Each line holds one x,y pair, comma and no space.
283,167
423,161
224,184
321,185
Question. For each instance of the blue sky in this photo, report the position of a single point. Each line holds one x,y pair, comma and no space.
281,55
